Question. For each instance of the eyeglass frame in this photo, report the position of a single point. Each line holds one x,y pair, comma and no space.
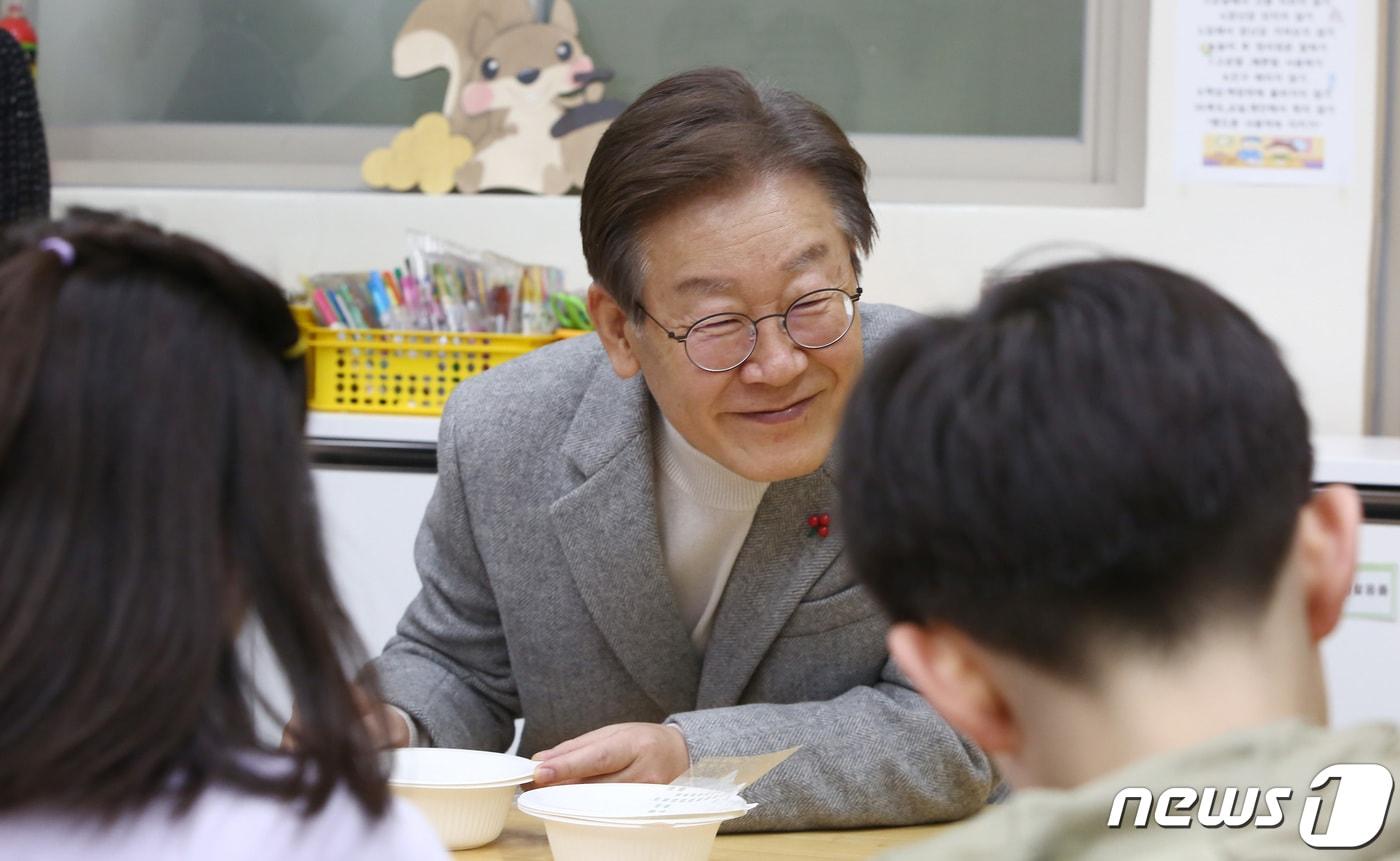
681,338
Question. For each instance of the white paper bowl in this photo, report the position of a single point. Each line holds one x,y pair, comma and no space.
465,794
463,817
601,841
631,821
620,801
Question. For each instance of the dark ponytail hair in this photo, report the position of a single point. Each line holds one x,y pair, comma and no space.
154,496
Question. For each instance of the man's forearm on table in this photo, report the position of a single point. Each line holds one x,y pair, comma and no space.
873,756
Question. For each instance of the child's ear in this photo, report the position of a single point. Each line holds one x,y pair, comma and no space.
483,31
563,17
1325,544
610,321
949,671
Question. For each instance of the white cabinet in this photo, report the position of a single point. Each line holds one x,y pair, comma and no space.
1361,656
370,519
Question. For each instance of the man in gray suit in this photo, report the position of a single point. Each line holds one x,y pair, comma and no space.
632,543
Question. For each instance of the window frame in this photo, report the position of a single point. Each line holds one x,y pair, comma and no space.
1382,356
1103,166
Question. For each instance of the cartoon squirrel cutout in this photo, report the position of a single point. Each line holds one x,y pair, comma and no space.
523,91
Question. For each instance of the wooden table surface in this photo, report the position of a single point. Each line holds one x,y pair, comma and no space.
524,840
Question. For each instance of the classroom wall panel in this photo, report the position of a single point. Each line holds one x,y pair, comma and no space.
1297,258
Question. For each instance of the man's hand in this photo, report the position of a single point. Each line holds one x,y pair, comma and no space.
620,753
386,727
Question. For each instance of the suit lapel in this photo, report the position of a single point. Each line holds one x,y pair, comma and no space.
780,559
607,527
779,562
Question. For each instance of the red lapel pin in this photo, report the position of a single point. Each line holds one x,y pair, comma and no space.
820,524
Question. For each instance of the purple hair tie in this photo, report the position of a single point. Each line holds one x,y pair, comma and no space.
62,247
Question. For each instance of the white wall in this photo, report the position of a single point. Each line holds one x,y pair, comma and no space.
1299,259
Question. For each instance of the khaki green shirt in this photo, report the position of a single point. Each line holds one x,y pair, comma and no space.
1049,824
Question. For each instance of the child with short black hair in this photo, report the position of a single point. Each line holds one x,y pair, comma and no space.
155,498
1087,506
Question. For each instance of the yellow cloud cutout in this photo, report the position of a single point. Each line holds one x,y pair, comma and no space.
425,156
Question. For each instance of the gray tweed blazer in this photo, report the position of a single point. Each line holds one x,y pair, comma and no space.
544,597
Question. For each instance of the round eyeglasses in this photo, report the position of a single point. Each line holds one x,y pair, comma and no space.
723,342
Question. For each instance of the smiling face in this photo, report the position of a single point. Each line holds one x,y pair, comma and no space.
753,251
529,65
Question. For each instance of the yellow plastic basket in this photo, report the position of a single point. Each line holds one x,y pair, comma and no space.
398,372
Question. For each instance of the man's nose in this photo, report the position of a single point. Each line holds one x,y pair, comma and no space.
528,76
776,360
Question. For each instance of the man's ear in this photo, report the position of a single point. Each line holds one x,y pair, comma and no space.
612,325
949,671
1325,544
563,17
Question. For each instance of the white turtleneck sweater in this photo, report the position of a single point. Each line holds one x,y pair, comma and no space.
704,512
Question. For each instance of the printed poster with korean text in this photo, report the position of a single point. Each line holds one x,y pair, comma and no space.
1265,91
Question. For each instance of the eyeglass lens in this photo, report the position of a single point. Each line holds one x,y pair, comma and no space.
724,341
